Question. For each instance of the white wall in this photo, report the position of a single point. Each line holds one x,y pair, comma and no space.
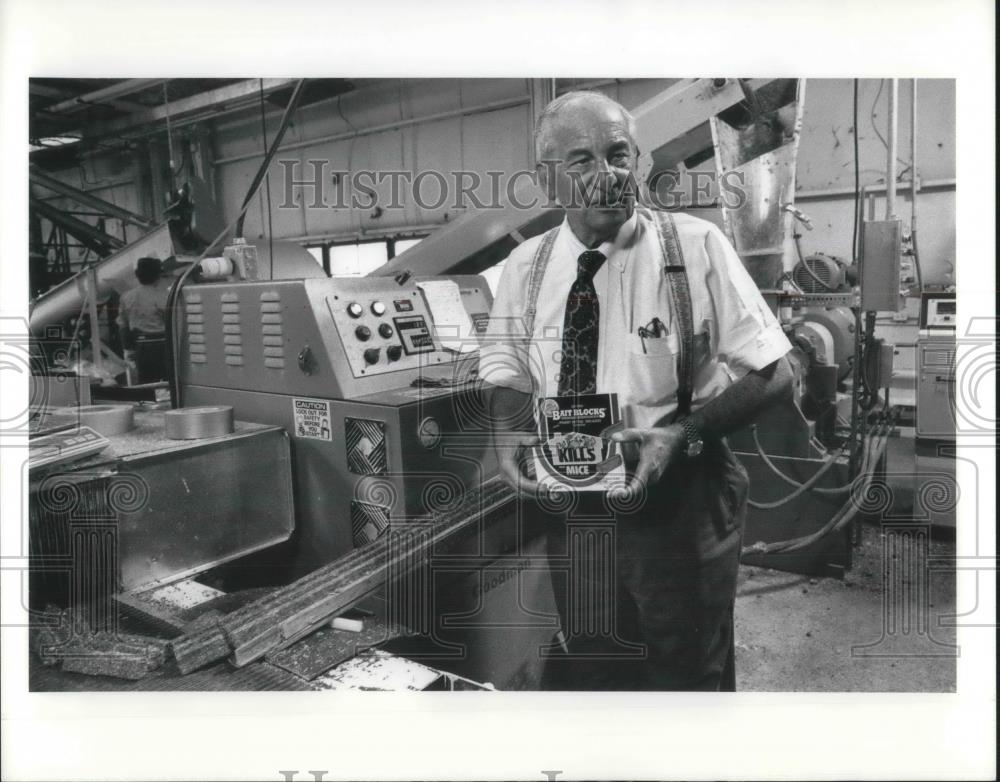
482,139
478,141
825,172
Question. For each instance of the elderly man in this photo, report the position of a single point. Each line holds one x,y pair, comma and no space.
659,310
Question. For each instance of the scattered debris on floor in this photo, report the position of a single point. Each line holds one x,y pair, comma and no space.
65,638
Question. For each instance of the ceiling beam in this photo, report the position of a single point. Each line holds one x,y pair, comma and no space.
39,177
94,238
105,95
47,91
223,96
63,93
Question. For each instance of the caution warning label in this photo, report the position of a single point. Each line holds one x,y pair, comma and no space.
312,418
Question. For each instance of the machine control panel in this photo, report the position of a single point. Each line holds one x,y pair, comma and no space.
385,327
341,337
936,366
938,311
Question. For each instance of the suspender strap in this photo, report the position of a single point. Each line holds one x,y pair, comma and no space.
538,266
680,294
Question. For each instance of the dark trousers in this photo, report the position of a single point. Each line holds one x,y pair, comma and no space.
150,357
646,592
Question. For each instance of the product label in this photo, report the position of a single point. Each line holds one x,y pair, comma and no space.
312,418
573,453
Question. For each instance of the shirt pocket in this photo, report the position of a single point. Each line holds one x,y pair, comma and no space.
652,370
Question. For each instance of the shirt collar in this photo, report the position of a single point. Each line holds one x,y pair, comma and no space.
612,248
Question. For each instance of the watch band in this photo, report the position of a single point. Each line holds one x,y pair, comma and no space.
695,442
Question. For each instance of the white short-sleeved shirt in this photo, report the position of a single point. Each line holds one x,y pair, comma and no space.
142,308
735,331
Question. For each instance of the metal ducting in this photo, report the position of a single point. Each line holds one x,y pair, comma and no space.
291,261
114,273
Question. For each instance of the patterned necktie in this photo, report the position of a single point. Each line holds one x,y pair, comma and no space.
581,329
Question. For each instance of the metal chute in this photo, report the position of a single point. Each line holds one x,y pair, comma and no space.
113,274
756,149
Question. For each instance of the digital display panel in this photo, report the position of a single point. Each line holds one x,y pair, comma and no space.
414,334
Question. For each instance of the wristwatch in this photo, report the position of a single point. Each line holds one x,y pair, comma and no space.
695,445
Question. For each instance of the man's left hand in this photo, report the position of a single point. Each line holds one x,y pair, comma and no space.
658,449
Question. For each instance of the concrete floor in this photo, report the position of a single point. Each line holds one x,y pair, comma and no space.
798,633
795,633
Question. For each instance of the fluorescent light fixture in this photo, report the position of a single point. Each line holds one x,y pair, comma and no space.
52,141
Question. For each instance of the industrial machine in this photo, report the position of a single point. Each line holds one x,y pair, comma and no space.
154,511
375,382
381,413
936,367
936,417
812,459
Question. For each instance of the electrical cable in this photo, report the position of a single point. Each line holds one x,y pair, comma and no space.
76,330
237,224
916,254
857,180
843,515
788,479
787,277
340,111
913,189
804,487
906,166
170,138
864,370
293,103
170,307
808,484
267,180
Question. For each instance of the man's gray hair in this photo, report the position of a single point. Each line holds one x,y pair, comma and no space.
545,121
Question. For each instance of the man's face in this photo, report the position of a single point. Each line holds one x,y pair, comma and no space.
589,166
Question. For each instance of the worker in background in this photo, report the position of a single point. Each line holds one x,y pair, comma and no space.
665,620
141,321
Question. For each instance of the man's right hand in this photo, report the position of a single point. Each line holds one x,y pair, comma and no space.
513,450
513,436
